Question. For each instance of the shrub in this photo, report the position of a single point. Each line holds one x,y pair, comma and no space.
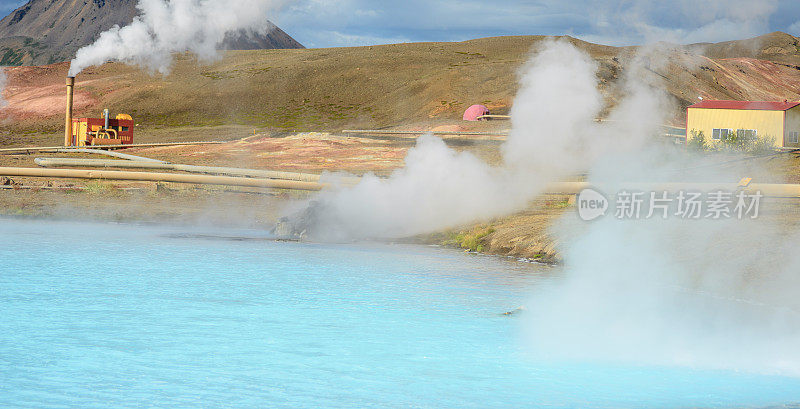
698,141
732,142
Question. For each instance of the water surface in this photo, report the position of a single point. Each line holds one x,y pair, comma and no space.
106,315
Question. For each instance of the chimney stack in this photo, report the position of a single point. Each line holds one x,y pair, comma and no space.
68,120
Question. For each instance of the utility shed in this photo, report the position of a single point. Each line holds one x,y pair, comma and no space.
720,120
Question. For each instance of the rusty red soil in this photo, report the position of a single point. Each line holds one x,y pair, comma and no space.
758,80
36,92
315,152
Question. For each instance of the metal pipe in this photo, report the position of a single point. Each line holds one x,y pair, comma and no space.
135,145
385,132
68,119
776,190
766,189
215,170
162,177
109,153
105,117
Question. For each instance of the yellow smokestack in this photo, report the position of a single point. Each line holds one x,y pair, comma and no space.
68,120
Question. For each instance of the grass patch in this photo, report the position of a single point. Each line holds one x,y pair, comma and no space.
557,204
99,188
473,240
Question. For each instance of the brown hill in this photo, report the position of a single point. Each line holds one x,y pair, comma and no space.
776,47
423,83
47,31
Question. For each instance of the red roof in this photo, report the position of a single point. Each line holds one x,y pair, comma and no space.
752,105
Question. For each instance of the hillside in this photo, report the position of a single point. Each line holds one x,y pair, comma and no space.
48,31
421,84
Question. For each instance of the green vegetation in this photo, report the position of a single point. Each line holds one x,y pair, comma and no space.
98,187
11,57
557,204
764,145
741,142
699,142
471,241
19,211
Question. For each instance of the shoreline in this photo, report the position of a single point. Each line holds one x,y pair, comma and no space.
521,237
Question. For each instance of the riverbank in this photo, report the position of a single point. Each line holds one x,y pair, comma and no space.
527,234
524,235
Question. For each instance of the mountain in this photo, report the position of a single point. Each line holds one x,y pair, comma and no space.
416,84
777,47
49,31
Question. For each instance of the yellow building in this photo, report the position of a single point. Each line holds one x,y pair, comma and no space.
718,120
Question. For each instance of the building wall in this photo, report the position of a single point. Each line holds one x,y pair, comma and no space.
766,123
793,124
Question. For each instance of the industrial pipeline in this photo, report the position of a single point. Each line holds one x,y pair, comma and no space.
214,170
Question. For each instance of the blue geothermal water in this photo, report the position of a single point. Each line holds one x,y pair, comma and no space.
101,316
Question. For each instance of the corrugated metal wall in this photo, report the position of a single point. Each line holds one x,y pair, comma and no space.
766,123
793,124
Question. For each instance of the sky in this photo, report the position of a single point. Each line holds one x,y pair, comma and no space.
332,23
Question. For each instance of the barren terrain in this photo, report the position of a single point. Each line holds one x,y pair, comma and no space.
285,109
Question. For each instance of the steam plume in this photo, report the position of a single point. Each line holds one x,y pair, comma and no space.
706,294
703,294
168,26
554,134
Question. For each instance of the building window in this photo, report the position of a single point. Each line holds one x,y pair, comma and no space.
746,134
792,138
719,134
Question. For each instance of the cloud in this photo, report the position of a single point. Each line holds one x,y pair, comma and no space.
794,29
339,39
419,20
679,21
619,22
329,23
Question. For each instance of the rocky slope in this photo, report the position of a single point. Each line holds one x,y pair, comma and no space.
48,31
419,84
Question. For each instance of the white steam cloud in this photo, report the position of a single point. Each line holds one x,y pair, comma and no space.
168,26
705,294
554,134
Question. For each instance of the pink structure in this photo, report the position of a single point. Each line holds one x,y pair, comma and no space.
472,113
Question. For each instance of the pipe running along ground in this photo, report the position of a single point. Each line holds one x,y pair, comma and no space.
109,153
215,170
162,177
133,145
570,188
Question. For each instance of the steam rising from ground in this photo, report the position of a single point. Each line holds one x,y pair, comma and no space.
554,134
168,26
703,294
707,294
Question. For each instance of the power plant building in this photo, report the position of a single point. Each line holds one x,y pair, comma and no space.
778,122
